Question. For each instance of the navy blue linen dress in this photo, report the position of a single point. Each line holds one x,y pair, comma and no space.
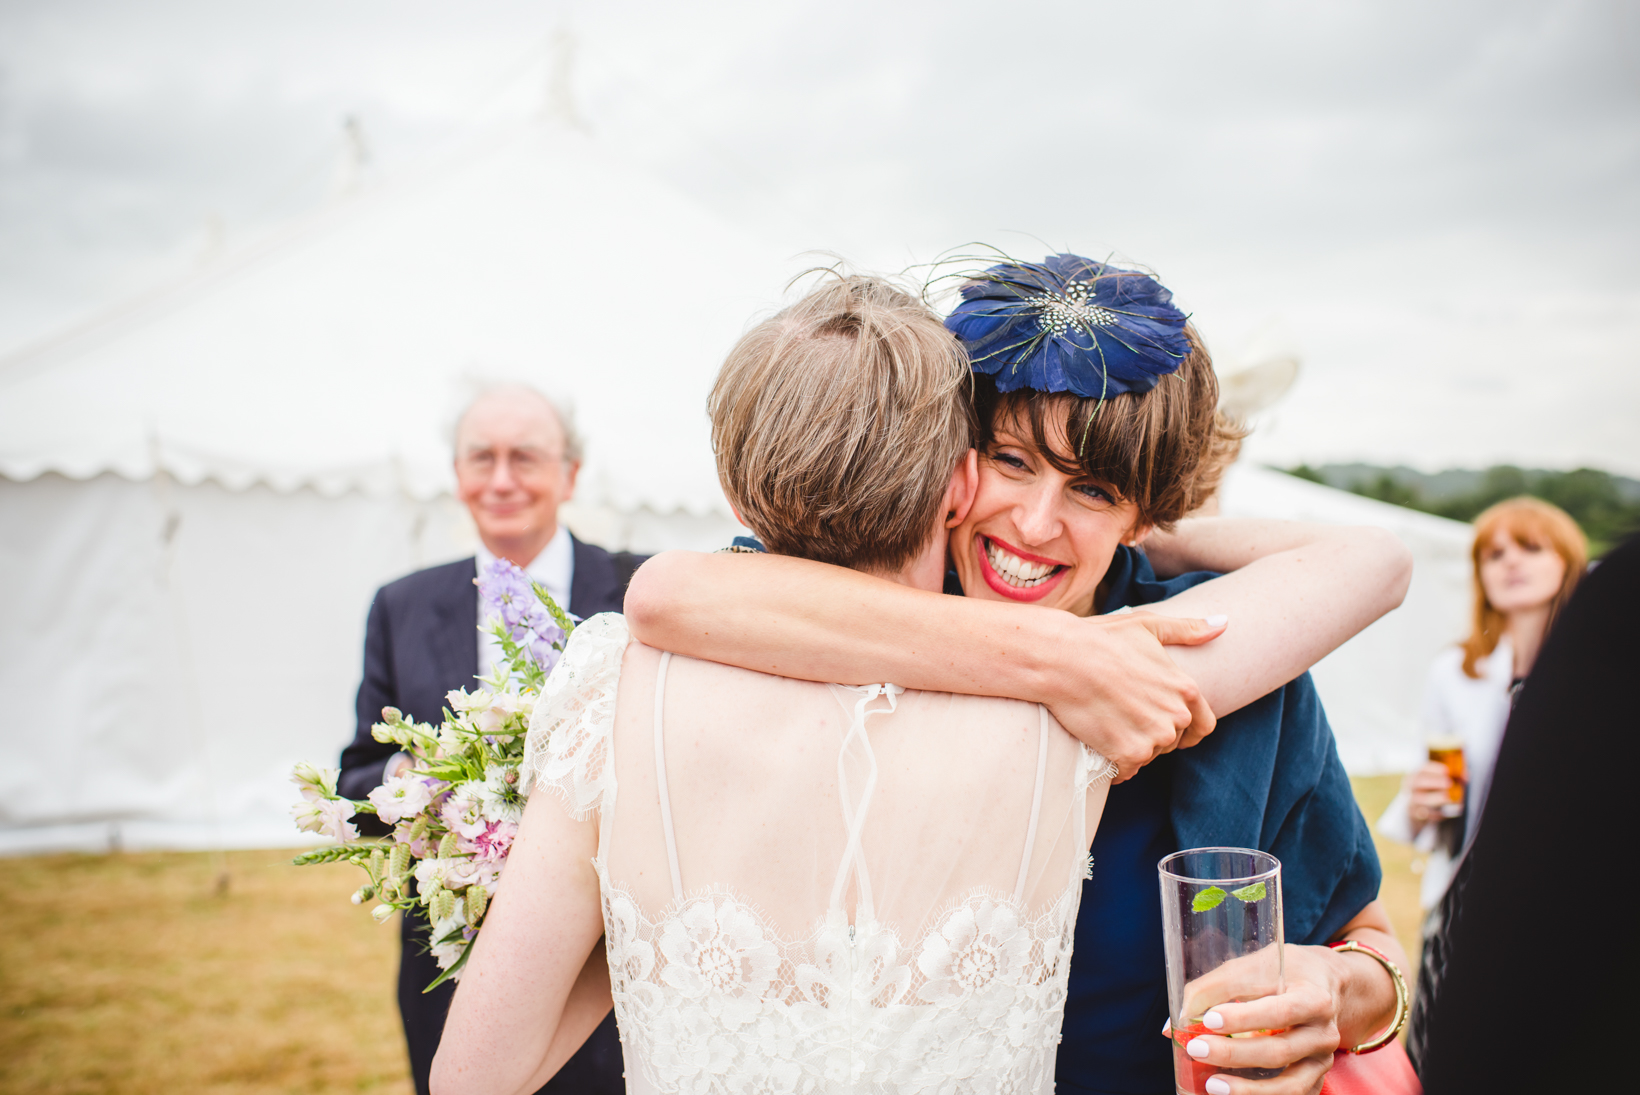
1269,777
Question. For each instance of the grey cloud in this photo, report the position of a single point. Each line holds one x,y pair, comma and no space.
1386,174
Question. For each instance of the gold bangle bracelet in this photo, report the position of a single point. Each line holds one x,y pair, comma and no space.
1402,997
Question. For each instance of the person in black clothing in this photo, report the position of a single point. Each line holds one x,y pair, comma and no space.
516,460
1526,985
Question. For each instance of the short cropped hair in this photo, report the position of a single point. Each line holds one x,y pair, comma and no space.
837,424
1165,450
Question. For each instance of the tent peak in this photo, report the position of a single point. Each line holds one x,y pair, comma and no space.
559,105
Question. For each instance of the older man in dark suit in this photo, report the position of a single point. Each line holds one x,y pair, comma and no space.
516,459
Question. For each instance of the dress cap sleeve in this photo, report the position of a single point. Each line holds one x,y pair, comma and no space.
568,747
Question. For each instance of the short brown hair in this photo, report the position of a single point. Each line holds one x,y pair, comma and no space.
1527,521
1164,450
837,424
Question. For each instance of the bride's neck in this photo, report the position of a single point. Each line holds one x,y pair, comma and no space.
925,571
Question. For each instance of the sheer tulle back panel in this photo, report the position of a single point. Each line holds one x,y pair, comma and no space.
762,776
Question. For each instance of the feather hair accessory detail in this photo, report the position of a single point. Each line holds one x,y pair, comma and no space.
1070,324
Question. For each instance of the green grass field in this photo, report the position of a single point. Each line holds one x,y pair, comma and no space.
138,974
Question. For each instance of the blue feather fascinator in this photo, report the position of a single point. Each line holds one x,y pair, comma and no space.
1070,324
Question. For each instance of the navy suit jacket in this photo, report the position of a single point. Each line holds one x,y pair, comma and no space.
421,641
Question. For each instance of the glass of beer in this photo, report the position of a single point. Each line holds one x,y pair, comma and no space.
1448,752
1221,929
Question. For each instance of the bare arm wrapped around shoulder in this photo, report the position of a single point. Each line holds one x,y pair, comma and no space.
1301,590
1294,592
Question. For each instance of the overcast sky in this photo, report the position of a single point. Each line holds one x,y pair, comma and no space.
1437,205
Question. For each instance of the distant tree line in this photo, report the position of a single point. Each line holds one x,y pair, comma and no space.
1605,505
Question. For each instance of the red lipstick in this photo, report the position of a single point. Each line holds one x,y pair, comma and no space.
1000,584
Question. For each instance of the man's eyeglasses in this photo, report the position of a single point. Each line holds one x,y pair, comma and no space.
521,461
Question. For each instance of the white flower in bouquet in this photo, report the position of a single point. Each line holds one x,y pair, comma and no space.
455,814
316,783
485,712
331,817
453,738
463,702
499,798
456,873
506,704
402,797
463,810
451,937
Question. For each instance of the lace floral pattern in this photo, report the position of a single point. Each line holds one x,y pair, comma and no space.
568,745
710,1000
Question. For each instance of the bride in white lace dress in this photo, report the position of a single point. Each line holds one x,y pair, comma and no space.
801,887
819,888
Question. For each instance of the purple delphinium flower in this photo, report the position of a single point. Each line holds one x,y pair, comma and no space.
506,591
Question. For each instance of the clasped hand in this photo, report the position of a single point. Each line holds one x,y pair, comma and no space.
1114,687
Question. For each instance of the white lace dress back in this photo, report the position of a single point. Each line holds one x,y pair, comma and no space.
820,888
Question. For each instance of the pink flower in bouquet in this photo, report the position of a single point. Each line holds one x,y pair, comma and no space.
496,840
477,872
421,847
402,797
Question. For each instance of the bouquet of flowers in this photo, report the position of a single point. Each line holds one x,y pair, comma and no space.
456,810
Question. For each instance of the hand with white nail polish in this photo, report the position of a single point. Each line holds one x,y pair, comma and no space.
1329,999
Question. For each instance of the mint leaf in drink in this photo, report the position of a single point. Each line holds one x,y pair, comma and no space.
1209,898
1249,894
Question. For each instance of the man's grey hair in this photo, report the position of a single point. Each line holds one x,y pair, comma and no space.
563,408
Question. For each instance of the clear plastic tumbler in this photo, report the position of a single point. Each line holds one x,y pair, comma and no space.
1221,927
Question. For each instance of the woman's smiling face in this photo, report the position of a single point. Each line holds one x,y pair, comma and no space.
1036,535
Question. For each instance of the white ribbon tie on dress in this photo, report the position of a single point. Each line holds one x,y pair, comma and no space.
854,813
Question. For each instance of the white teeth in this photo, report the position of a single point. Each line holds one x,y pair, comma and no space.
1014,570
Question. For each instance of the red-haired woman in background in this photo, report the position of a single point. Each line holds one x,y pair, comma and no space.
1528,556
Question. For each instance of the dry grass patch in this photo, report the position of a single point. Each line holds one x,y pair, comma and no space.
135,974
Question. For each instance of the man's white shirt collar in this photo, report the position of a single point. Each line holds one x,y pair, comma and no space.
553,568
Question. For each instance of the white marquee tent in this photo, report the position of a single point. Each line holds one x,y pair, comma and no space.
199,493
